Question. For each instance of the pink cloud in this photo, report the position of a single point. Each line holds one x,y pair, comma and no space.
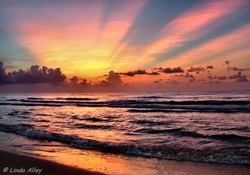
217,50
194,23
190,25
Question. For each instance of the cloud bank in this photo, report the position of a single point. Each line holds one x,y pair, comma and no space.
31,76
44,79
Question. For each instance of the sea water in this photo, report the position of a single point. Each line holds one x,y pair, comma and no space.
190,126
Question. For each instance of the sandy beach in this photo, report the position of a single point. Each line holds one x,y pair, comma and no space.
11,163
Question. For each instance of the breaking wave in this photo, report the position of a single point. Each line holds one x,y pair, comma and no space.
226,155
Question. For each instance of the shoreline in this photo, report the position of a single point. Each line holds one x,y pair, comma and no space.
15,161
14,164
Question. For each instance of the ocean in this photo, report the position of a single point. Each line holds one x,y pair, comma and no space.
183,126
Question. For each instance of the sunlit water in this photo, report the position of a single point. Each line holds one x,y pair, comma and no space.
203,127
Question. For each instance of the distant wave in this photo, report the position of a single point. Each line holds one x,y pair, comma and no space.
31,104
35,98
152,97
200,110
77,99
140,106
128,102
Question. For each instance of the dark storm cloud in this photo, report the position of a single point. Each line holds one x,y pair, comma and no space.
33,75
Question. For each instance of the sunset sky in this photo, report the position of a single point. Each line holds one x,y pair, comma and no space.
158,44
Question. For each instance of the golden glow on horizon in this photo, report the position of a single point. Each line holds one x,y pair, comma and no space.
86,47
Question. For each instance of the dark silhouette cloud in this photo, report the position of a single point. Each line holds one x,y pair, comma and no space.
221,77
113,79
188,75
238,69
239,77
218,77
229,68
133,73
84,83
139,72
153,73
196,69
210,67
74,79
170,71
3,76
33,75
80,81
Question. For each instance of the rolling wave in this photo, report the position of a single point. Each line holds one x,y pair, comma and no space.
181,132
206,155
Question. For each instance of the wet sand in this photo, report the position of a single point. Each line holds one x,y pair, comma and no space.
13,164
115,165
